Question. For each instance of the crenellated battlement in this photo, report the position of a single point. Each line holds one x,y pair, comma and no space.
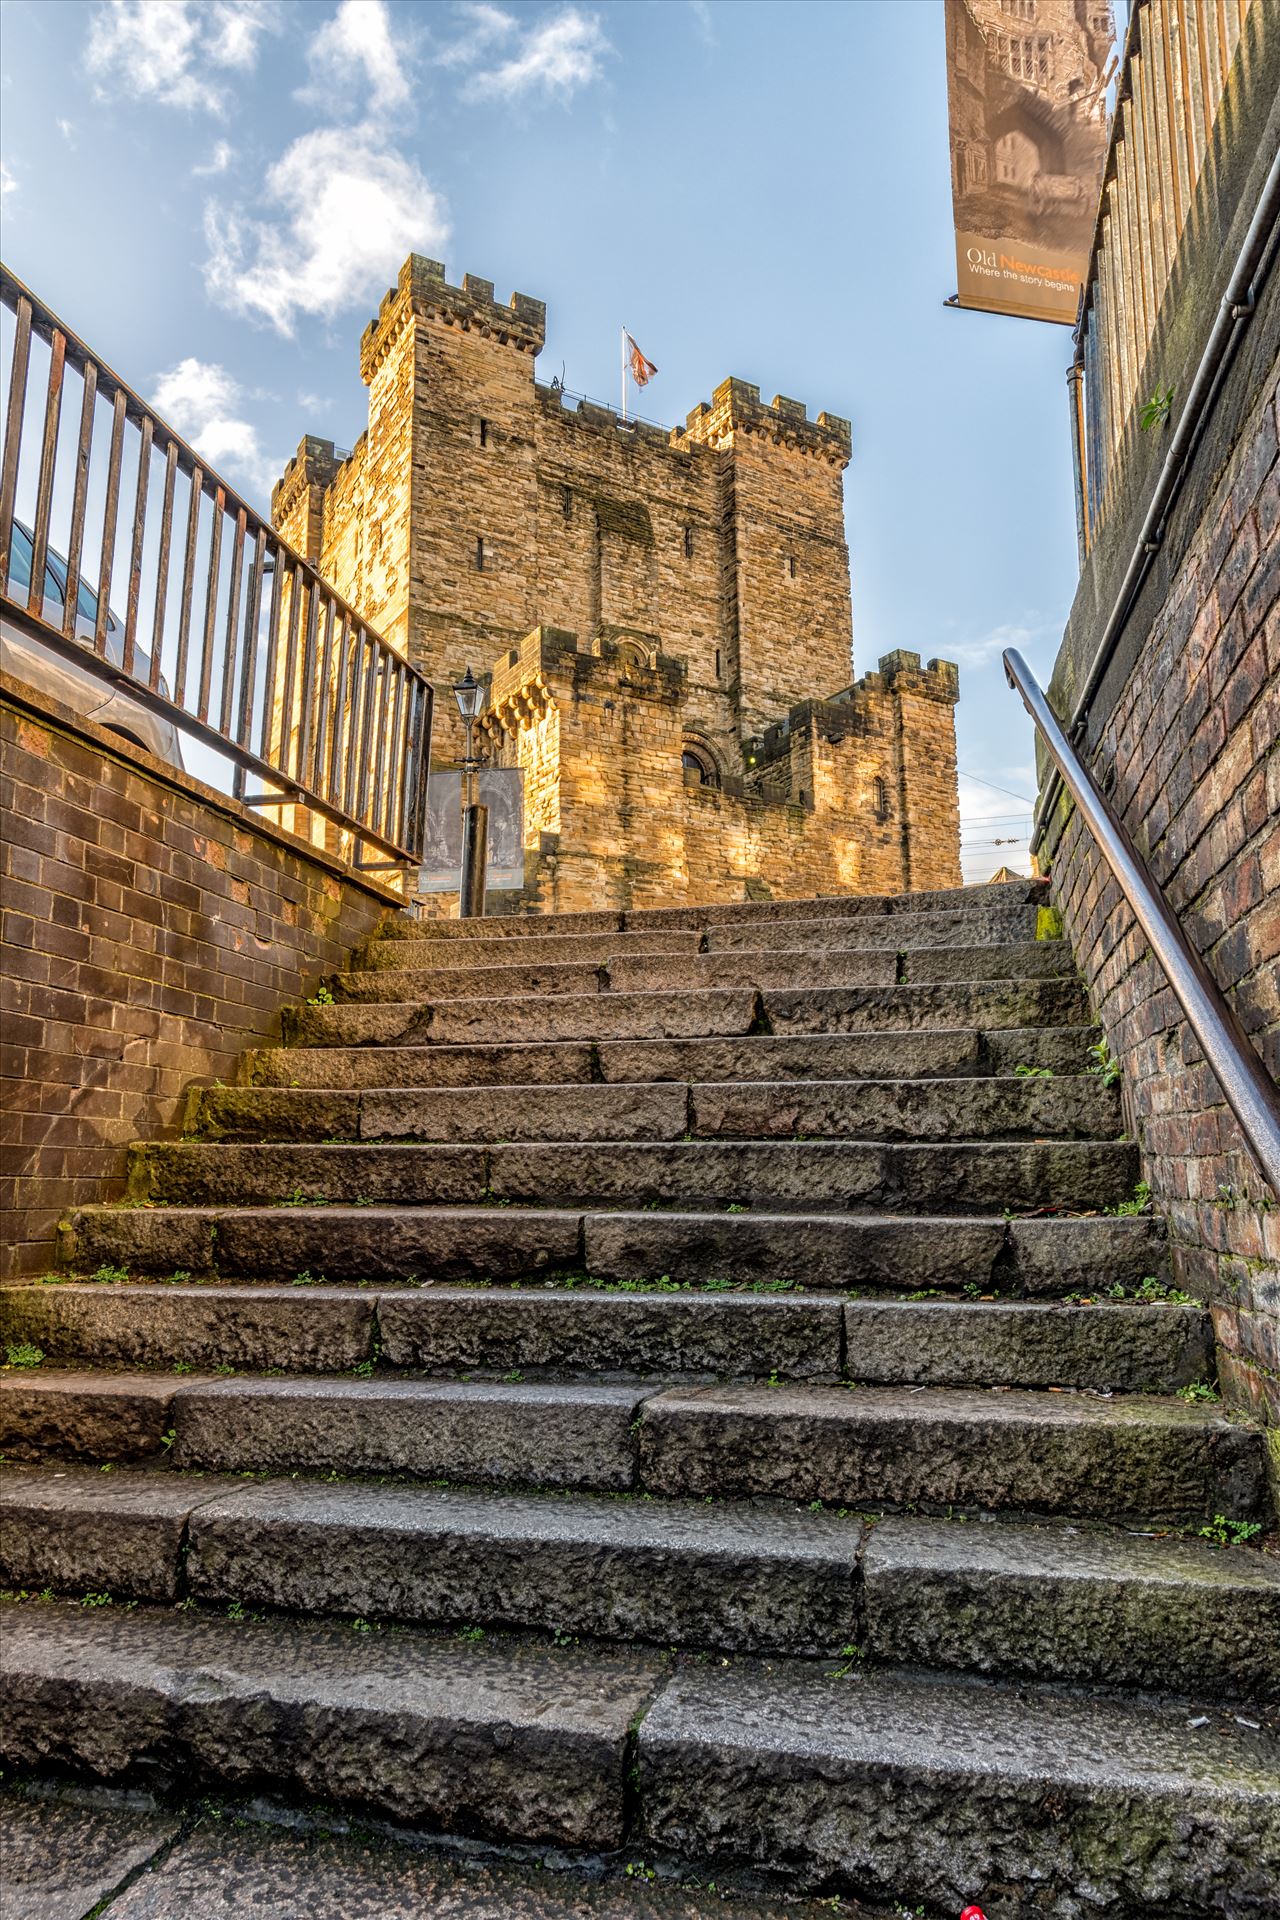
736,409
423,293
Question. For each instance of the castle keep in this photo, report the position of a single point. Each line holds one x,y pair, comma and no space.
663,617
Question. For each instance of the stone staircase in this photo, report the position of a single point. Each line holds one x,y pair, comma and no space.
687,1386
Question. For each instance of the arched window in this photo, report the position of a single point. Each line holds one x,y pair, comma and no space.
699,769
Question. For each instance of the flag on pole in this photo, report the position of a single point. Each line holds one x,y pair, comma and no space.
642,369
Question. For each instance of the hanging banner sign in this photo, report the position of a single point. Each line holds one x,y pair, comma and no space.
1027,92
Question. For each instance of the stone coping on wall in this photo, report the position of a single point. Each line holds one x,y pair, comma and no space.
18,694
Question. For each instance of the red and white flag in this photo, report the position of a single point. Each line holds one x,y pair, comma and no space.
642,369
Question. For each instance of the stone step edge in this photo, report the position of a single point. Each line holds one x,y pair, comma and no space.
659,996
1048,1255
889,1559
1028,1091
662,1748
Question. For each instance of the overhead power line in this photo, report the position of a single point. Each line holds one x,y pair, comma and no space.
994,788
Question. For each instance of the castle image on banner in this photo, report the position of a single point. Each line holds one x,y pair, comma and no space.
663,618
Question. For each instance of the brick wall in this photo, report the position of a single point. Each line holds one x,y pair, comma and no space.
151,931
1193,745
1184,732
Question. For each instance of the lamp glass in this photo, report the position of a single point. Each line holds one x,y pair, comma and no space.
469,695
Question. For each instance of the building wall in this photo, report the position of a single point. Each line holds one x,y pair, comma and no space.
1184,732
703,573
151,931
612,820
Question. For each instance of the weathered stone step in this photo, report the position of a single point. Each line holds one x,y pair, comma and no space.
671,972
571,1435
744,1578
1037,1800
1050,1602
1074,1175
694,1014
520,1742
999,900
1075,1106
1113,1459
602,1332
898,1253
1132,1458
947,1052
1072,1603
534,947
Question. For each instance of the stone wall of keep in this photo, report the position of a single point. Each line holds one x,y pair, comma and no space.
151,931
1184,734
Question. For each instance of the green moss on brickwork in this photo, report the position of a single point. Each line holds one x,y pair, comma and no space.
1048,924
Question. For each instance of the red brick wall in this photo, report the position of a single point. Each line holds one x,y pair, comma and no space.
151,930
1193,742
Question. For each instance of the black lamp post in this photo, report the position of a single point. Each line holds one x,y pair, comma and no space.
469,695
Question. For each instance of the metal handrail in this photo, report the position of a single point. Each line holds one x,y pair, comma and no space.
253,653
1247,1087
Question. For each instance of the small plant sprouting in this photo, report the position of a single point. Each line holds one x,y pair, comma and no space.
1157,409
363,1369
321,998
1153,1292
1105,1065
307,1279
110,1276
1198,1391
181,1366
96,1600
470,1633
1230,1533
1034,1073
180,1277
735,1206
21,1353
1140,1202
167,1439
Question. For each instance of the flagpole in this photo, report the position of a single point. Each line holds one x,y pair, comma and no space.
624,373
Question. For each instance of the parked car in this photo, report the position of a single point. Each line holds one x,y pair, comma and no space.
52,672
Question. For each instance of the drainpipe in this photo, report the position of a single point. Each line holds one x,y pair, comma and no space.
1079,467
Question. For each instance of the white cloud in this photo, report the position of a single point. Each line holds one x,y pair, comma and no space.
552,58
164,50
485,27
8,183
201,400
703,23
67,130
219,160
359,37
989,646
350,210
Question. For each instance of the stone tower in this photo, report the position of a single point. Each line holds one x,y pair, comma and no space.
663,617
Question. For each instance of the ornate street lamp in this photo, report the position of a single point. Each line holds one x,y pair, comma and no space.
469,695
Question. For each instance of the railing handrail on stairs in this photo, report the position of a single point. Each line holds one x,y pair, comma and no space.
1247,1087
246,647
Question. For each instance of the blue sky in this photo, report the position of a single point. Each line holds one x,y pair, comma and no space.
754,188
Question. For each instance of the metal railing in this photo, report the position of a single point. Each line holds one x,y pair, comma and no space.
1176,59
226,632
1247,1087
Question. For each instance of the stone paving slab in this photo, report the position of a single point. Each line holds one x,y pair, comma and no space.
985,926
1056,1803
82,1531
521,1741
84,1416
1129,1348
742,1336
541,946
938,1109
513,1434
417,983
973,1003
1124,1458
743,1578
845,967
312,1328
360,1243
558,1062
61,1861
1066,1603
